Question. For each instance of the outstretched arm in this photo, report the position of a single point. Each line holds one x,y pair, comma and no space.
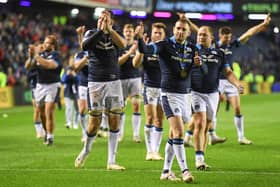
193,26
254,30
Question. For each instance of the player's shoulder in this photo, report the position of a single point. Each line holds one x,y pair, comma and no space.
53,54
80,55
90,32
217,51
235,43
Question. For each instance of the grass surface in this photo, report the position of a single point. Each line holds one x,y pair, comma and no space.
25,161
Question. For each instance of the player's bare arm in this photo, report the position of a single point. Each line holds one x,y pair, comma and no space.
255,30
234,80
193,26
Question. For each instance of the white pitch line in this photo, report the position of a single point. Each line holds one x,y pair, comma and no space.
144,170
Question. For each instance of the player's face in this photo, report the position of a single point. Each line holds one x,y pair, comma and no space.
181,31
204,37
158,34
225,38
128,33
48,44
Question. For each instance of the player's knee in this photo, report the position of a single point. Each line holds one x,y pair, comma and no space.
95,113
149,119
117,111
158,123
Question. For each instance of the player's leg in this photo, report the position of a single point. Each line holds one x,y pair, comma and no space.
82,104
50,121
96,106
83,109
114,105
69,103
199,120
103,131
239,120
189,134
43,118
169,155
213,137
148,130
114,119
134,91
158,131
76,115
40,132
93,126
177,127
174,106
124,85
136,118
52,91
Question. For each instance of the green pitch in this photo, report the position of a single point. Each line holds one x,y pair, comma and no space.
25,161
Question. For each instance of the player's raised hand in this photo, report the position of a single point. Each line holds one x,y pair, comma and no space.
133,48
182,16
267,20
146,38
80,30
139,30
109,21
197,59
31,50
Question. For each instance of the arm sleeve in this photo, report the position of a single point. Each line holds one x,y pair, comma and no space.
91,38
146,49
235,43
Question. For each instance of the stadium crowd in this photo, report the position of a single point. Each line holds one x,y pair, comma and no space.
18,30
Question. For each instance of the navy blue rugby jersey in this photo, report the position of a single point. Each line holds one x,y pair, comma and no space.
215,62
83,73
176,61
127,70
70,83
32,77
228,51
151,67
47,76
103,56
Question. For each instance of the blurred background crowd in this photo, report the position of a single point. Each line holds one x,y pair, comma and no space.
24,25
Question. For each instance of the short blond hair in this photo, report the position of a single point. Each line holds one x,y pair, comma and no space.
159,25
128,26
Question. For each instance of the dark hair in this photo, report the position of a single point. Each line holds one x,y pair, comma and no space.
225,30
184,21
